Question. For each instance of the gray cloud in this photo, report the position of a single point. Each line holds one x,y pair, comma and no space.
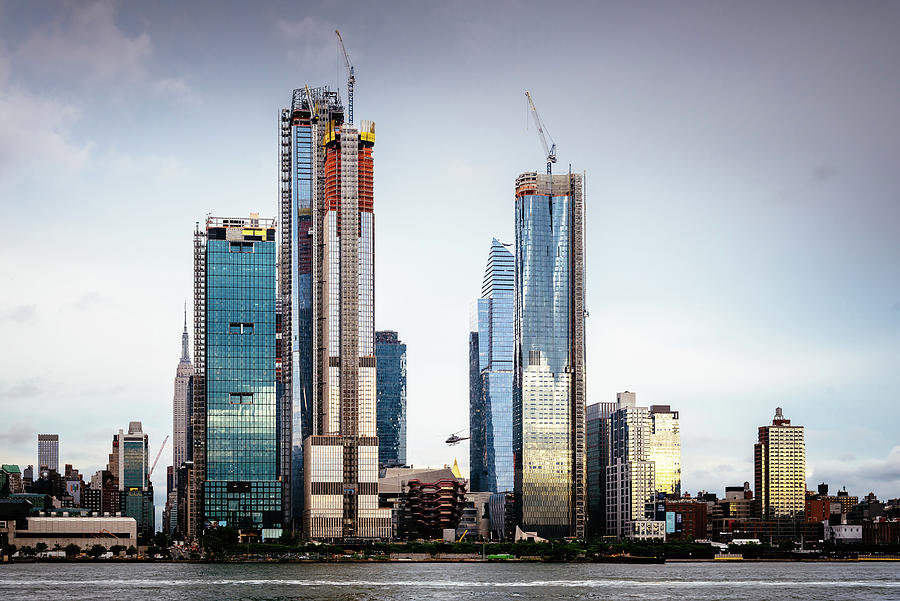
824,172
311,40
19,434
88,301
86,42
19,391
860,475
19,314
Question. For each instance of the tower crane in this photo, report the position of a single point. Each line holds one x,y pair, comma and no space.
549,150
351,77
155,461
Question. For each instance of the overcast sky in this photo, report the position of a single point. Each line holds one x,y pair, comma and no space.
742,192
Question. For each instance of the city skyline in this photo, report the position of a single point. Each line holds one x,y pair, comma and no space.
734,283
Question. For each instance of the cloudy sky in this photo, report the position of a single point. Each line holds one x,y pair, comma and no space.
743,203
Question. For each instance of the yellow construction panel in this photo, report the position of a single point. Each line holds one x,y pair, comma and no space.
249,232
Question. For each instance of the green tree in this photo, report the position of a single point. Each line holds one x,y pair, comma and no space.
97,550
161,540
72,550
131,551
28,551
117,549
40,547
219,540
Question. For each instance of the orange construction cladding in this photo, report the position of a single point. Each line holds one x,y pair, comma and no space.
365,181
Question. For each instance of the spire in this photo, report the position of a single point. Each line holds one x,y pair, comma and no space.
185,356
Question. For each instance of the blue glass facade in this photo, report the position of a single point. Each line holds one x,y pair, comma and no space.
491,377
390,386
301,159
548,398
242,488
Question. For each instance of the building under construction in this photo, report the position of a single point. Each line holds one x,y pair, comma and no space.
327,294
548,380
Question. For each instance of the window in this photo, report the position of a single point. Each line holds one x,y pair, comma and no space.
236,327
240,398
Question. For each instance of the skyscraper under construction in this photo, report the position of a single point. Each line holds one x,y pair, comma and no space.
327,295
548,375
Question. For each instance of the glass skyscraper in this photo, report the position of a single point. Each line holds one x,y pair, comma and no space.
665,449
236,411
390,384
548,387
491,377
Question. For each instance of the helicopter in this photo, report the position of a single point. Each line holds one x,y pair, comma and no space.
455,438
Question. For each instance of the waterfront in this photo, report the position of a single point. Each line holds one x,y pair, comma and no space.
392,581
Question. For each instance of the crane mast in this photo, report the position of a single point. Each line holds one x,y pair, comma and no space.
351,77
549,149
155,461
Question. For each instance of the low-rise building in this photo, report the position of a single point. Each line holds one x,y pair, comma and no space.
843,533
475,520
645,530
690,516
82,531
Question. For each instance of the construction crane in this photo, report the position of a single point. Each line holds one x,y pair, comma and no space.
155,461
351,77
549,150
455,438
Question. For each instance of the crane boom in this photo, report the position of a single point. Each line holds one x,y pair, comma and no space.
155,461
549,149
351,77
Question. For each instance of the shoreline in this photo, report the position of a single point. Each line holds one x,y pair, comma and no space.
436,560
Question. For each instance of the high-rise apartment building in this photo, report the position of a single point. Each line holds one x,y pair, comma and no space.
48,452
132,450
491,376
182,405
780,470
390,374
630,475
597,460
327,291
548,380
236,417
665,449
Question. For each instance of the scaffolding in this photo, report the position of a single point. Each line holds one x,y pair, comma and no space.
198,419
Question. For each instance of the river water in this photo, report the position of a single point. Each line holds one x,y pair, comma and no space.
843,581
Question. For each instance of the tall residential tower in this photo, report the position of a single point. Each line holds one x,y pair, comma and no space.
780,470
548,384
491,377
